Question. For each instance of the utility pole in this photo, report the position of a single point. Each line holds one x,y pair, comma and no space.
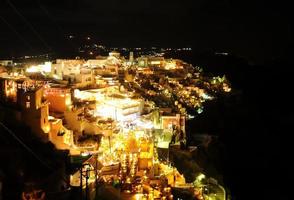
87,176
96,176
87,187
81,182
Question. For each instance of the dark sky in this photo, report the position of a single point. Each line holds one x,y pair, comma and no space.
257,30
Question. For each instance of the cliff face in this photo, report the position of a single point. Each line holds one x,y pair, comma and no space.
184,162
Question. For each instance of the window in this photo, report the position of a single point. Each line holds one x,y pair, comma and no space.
28,104
28,97
60,133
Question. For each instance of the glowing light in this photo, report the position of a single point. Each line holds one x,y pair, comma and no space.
170,65
67,137
199,110
84,154
226,88
50,117
206,96
45,68
138,196
191,116
68,100
46,128
200,177
55,76
139,134
155,62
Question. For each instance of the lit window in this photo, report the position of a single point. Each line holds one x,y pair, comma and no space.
28,104
28,97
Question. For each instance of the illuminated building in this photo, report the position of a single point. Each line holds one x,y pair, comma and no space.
110,80
66,67
42,68
100,61
28,106
100,82
173,64
111,103
83,79
156,61
174,178
144,61
131,57
114,54
6,62
120,109
60,136
113,59
35,111
167,121
129,75
145,70
81,73
59,98
75,72
8,89
145,160
3,71
106,81
130,61
106,70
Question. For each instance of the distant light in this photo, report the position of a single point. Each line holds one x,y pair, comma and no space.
84,154
206,96
199,110
200,177
191,116
88,38
221,53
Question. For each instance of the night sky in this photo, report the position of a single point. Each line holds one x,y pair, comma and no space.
256,30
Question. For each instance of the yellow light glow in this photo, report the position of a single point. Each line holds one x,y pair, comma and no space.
68,101
46,67
46,128
138,196
155,62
